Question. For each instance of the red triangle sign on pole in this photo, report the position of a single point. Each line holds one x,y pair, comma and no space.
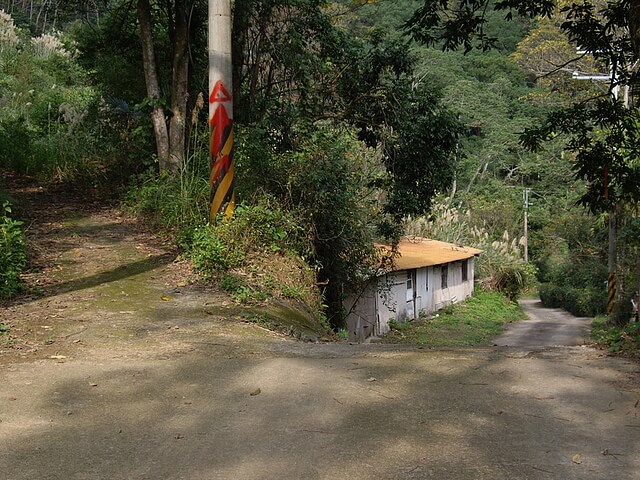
219,94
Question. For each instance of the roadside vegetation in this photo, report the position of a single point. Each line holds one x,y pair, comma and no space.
13,254
616,339
471,323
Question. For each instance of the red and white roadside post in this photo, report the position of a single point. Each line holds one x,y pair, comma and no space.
221,110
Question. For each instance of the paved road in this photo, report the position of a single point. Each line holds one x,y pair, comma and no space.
546,327
307,411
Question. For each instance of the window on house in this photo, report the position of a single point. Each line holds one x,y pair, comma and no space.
465,270
445,276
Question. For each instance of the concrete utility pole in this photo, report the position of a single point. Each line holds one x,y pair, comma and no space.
221,109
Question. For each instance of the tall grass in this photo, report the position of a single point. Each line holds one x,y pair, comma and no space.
500,267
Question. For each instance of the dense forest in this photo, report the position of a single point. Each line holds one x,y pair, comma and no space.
354,125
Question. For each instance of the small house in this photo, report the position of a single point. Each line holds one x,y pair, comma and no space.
426,275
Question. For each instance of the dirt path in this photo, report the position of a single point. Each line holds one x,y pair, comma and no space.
121,371
101,283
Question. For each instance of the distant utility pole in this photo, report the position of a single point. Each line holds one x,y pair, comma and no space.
525,197
221,109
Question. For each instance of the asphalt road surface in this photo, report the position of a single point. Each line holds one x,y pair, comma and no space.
224,407
546,327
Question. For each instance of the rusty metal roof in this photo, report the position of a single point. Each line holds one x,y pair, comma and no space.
419,252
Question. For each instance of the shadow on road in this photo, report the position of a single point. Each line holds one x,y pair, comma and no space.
440,415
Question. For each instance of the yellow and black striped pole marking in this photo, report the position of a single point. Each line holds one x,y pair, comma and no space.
611,286
221,150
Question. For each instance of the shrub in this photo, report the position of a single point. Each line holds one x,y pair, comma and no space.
582,302
512,279
13,253
49,125
263,228
589,301
241,293
551,295
328,180
15,144
211,254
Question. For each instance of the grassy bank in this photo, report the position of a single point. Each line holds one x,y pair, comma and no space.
471,323
616,339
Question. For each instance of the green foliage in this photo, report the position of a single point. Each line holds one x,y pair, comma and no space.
5,338
289,53
329,183
51,123
473,322
615,338
400,326
573,269
514,279
406,118
110,51
421,159
230,282
248,295
13,253
210,254
583,302
228,243
257,254
240,293
552,295
601,131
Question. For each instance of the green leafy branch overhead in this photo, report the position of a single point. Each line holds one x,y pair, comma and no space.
602,133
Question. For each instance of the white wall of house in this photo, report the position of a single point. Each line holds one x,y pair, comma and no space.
457,286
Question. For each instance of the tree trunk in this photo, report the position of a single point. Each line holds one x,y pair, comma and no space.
179,86
634,26
153,85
